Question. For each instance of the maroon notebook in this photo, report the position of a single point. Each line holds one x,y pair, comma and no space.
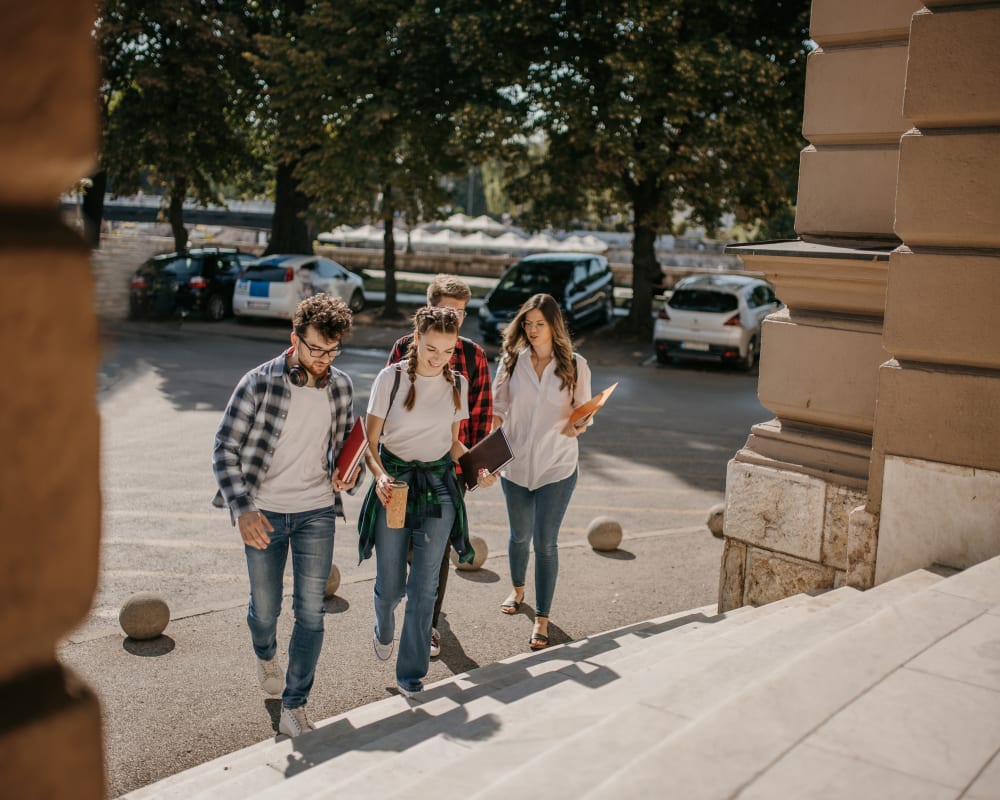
492,453
353,451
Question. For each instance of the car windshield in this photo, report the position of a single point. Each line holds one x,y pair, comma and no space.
703,300
272,273
548,276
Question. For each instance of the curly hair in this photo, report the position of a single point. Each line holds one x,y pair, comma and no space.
515,339
447,286
440,320
329,315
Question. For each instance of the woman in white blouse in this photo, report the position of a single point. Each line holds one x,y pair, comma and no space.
539,382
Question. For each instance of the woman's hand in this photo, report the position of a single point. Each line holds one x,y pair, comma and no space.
484,480
383,489
574,431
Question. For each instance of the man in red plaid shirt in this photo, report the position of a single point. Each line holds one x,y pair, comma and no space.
470,360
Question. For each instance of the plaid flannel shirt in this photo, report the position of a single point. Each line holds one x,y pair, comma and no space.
474,429
251,425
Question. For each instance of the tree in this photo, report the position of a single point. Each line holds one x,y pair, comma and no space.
651,107
179,98
381,101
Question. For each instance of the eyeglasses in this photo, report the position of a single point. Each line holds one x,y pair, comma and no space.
530,325
319,352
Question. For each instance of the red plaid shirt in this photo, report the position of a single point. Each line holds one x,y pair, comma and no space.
475,428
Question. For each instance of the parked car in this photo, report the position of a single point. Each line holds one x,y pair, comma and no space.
199,280
274,285
714,317
582,284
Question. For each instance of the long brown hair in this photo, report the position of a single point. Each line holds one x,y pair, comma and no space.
442,320
515,339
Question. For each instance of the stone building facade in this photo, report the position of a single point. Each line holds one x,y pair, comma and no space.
883,372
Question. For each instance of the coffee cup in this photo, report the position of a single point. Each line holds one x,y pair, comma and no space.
395,510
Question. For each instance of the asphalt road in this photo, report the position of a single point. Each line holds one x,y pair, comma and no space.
655,461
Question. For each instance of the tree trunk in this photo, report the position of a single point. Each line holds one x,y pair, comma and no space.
92,209
175,214
647,277
289,228
389,256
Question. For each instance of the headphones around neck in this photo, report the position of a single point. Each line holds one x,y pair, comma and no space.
297,374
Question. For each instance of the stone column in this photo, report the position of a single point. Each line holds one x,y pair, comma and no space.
935,478
50,736
796,494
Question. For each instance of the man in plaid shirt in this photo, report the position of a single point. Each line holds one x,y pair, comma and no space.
274,460
470,360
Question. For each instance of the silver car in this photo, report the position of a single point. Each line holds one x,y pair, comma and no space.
714,317
274,285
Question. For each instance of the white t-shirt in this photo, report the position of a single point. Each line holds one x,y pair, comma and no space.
297,480
424,433
534,412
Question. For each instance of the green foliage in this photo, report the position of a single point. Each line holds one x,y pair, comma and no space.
651,106
179,98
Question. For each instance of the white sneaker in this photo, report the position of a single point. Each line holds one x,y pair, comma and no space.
435,643
294,721
382,651
409,694
270,676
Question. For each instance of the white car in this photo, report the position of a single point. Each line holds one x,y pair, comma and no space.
714,317
274,285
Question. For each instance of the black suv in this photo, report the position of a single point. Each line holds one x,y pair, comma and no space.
582,284
199,280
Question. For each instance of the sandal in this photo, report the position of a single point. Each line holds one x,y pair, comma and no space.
511,605
538,641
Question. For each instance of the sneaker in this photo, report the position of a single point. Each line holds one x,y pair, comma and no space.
409,694
270,676
382,651
435,643
294,721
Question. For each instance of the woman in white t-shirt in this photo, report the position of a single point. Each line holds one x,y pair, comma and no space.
539,382
413,419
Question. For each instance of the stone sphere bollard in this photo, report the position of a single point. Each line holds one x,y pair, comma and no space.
716,519
479,545
604,533
332,582
144,616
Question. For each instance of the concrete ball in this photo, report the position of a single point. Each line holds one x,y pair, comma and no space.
144,616
479,545
716,519
332,582
604,533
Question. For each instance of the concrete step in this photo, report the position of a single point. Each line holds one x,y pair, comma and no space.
662,696
546,691
733,744
371,721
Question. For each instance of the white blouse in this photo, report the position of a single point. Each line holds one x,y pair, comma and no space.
534,411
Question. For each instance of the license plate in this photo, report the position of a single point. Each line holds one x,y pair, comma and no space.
257,304
695,346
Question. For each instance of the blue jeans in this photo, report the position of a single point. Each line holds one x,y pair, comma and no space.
310,536
535,516
391,582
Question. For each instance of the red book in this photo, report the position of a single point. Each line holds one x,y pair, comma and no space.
353,451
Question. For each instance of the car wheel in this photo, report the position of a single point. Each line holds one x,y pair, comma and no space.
357,302
215,307
609,309
664,357
749,361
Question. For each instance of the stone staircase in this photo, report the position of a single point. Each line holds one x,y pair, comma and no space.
893,692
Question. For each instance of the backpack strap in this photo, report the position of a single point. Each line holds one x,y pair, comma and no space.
395,388
469,351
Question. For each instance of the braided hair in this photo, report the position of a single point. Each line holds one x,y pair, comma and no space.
515,339
442,320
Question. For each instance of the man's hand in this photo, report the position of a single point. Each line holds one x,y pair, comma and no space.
254,529
484,479
343,486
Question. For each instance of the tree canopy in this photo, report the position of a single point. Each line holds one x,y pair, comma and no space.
178,99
